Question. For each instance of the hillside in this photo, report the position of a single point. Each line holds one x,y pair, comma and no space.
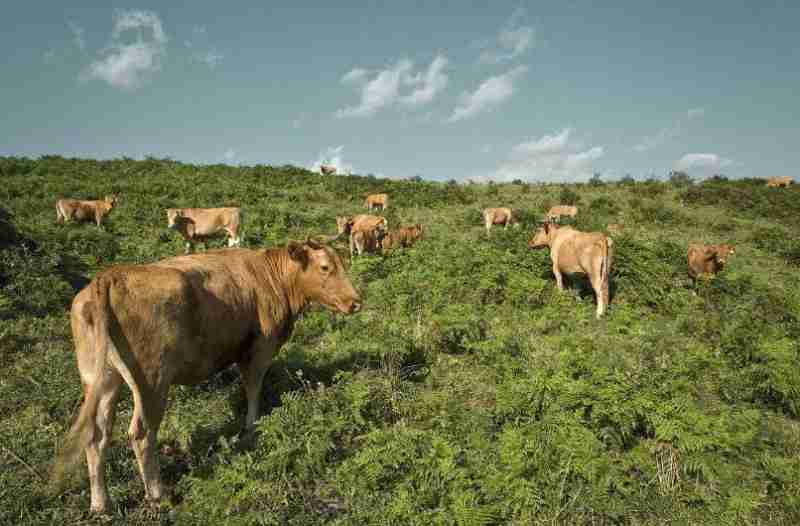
468,390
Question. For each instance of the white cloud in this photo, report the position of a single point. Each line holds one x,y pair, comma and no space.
382,89
210,58
428,85
701,160
671,132
129,65
695,113
513,41
332,157
492,92
549,158
77,35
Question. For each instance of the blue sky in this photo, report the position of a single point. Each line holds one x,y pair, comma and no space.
484,90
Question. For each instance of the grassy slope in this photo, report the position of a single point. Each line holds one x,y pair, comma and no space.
468,392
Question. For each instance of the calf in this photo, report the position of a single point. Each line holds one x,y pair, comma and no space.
84,211
705,261
498,216
199,224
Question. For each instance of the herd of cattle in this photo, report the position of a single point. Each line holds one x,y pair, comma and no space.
180,320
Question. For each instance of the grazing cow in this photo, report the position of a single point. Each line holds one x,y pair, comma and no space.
705,261
498,216
573,251
402,237
179,321
365,231
327,169
373,201
84,211
776,182
555,213
199,224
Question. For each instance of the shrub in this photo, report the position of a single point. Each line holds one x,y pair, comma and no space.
567,196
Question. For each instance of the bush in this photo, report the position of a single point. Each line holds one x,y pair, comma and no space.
567,196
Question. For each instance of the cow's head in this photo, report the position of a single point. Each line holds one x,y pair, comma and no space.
724,251
173,217
543,236
344,224
322,277
112,200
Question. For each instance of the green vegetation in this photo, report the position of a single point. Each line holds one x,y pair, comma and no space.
468,391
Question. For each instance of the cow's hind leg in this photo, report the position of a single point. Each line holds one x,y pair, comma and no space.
147,413
101,438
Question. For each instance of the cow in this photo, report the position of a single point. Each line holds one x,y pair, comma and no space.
705,261
402,237
365,231
573,252
179,321
498,216
373,201
777,182
198,224
327,169
85,211
555,213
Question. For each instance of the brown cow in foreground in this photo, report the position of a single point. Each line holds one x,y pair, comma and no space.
498,216
373,201
199,224
84,211
327,169
707,260
404,237
573,251
776,182
365,231
179,321
555,213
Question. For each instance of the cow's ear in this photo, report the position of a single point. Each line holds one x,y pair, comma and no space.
297,251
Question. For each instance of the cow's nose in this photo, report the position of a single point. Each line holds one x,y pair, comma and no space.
355,307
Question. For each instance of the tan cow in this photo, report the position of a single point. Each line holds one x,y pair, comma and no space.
402,237
373,201
200,224
84,211
707,260
365,231
327,169
576,252
776,182
498,216
555,213
179,321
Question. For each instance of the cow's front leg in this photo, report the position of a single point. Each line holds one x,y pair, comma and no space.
559,277
253,370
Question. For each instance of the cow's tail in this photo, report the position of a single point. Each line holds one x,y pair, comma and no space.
605,269
83,430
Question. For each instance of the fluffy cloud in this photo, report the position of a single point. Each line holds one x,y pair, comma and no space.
77,35
695,113
513,41
701,161
549,158
427,86
382,89
492,92
332,157
667,134
129,65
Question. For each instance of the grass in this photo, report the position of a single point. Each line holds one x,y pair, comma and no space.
469,391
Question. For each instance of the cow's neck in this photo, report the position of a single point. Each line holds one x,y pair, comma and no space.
287,299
